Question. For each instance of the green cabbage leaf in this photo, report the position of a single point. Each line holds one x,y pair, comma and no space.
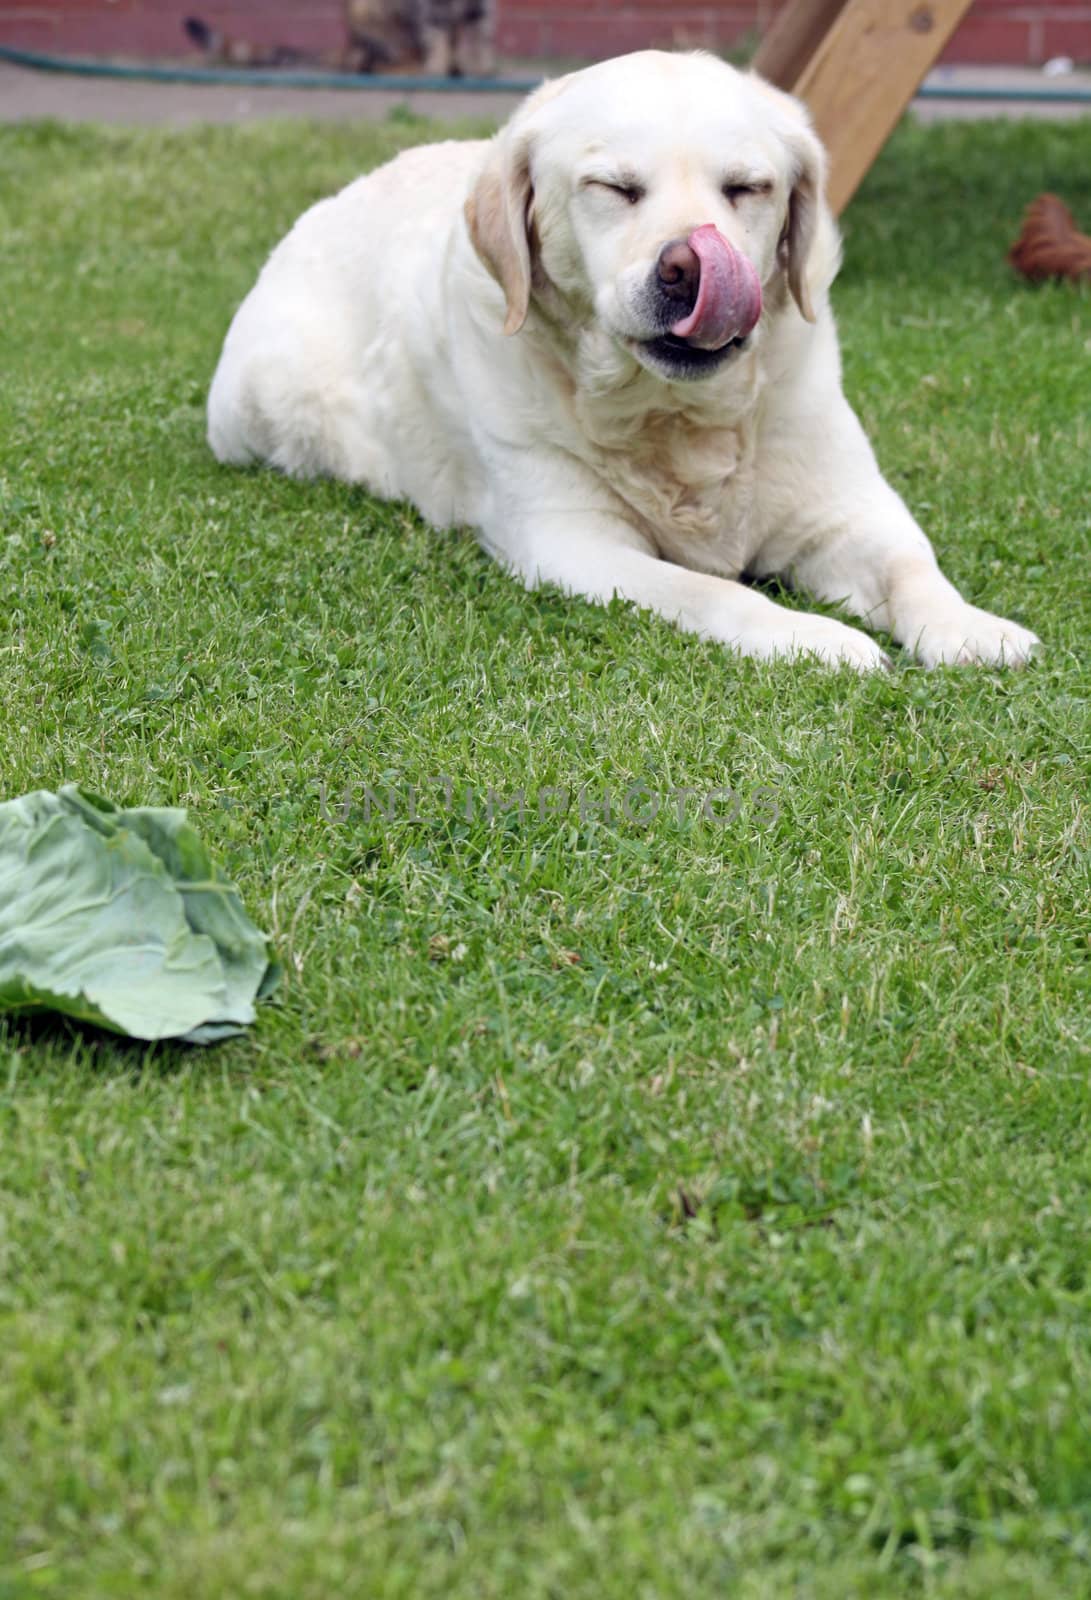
119,917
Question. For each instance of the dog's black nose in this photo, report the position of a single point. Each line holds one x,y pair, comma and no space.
679,272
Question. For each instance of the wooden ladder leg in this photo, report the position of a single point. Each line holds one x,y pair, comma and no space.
793,39
858,72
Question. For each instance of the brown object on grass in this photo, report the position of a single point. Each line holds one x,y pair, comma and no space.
1050,245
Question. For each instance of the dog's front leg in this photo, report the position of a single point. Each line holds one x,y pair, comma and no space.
561,527
850,539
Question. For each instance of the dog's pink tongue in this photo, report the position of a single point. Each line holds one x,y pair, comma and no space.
728,300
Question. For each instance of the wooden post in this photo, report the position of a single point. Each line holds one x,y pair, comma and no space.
793,38
857,64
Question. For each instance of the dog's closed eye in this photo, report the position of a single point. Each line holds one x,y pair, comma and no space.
736,189
626,189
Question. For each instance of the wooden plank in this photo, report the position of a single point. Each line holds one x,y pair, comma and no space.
795,35
865,71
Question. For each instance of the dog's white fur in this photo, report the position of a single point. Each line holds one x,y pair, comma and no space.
466,328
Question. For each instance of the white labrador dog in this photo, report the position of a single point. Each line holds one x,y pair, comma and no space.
604,340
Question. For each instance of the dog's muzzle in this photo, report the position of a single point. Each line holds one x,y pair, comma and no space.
715,283
705,297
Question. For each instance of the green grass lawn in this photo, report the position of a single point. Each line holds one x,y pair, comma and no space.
604,1208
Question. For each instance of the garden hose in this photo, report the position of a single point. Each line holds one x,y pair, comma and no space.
253,77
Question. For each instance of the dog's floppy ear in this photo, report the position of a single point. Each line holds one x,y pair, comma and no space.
498,215
802,224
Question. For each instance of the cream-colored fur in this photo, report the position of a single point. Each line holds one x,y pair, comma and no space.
469,327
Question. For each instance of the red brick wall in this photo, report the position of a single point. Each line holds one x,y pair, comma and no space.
1004,31
1007,31
1026,32
153,28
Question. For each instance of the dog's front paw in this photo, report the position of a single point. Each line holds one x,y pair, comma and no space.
967,636
832,642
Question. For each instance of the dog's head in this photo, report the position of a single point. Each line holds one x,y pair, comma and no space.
662,197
